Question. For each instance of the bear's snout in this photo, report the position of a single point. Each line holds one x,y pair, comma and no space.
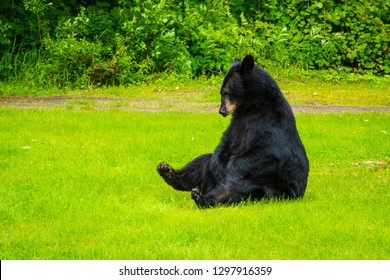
222,110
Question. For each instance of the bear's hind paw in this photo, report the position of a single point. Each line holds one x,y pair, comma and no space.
168,174
164,168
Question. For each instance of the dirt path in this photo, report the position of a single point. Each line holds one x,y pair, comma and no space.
131,104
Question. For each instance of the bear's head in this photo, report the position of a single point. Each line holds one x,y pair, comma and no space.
246,86
232,90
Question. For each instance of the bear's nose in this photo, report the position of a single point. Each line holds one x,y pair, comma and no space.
222,111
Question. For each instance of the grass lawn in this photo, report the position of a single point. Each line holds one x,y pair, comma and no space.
82,184
193,94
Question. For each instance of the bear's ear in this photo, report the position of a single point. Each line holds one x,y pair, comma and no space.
236,62
247,64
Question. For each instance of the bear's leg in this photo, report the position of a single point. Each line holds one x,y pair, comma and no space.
196,173
234,193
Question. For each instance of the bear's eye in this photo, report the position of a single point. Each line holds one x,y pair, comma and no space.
226,90
229,94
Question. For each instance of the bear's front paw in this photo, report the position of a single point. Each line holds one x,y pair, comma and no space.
195,195
203,201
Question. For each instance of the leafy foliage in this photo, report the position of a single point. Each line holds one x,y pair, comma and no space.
76,44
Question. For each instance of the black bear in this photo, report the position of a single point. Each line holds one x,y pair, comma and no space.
260,155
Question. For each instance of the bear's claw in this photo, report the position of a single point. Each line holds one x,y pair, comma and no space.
195,195
168,174
163,168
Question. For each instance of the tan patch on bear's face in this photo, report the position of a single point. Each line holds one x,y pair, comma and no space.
230,106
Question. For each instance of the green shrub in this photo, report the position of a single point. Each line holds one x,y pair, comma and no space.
324,34
99,43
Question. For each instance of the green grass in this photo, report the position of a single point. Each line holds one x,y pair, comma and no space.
311,92
81,184
373,91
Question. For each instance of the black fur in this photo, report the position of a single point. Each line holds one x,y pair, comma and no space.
260,155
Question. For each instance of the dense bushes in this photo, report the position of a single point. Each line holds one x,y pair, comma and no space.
98,43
